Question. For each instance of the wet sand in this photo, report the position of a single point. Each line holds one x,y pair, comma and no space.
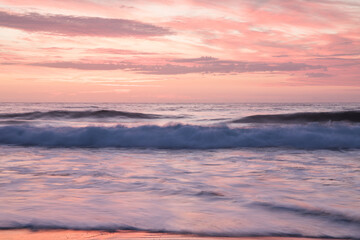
95,235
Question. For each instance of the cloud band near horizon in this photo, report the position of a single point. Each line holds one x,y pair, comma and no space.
199,65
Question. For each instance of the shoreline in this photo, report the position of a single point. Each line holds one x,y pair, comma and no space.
24,234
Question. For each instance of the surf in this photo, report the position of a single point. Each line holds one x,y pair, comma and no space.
180,136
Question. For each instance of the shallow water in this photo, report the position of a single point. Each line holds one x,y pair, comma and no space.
291,188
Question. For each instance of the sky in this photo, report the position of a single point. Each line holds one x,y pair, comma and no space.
179,51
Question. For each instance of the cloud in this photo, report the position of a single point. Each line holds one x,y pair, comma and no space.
184,66
224,66
318,75
83,66
195,60
117,51
80,26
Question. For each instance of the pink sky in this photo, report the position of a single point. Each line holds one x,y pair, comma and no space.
180,51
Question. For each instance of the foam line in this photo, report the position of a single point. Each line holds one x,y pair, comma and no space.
115,228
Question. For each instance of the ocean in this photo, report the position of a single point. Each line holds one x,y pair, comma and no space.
205,169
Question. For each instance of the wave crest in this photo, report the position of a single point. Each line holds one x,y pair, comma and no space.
78,114
348,116
316,136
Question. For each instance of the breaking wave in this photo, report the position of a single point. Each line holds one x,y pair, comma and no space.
77,114
313,136
348,116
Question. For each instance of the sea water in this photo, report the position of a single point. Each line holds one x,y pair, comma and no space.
206,169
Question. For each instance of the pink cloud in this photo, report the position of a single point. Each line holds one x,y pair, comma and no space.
275,27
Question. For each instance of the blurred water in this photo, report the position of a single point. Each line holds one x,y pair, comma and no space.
282,191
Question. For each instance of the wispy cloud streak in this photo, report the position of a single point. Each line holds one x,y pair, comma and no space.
79,26
197,65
